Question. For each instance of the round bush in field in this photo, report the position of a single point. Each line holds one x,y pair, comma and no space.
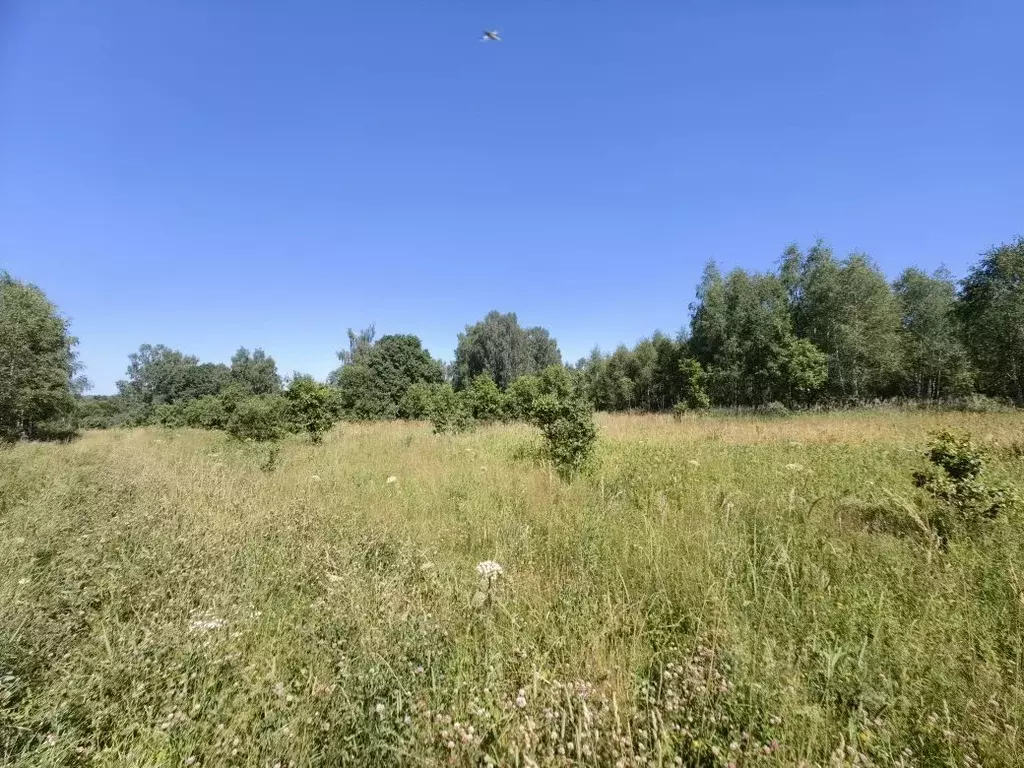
569,431
259,418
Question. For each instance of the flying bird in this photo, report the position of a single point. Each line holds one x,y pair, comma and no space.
490,34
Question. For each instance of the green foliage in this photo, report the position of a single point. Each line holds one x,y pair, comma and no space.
158,374
38,365
450,410
775,409
376,376
255,372
570,434
740,333
804,370
312,407
416,402
261,418
207,412
231,395
991,317
692,391
520,397
848,310
957,480
499,347
167,415
486,401
648,377
102,412
270,463
935,361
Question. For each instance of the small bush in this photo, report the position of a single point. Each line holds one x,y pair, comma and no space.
312,407
774,409
679,410
694,385
486,401
449,411
956,479
415,403
167,415
568,427
270,463
57,430
205,412
261,418
520,397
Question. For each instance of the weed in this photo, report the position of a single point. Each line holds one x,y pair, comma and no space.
956,479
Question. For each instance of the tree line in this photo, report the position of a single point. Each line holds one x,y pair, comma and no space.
815,331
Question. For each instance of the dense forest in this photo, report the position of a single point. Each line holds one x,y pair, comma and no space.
818,331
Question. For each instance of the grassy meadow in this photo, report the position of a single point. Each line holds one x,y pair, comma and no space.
721,590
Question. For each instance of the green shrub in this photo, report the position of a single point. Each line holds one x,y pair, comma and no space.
486,401
568,427
205,412
520,397
167,415
231,395
559,381
450,411
679,410
980,404
312,407
956,479
261,418
774,408
693,385
416,402
271,461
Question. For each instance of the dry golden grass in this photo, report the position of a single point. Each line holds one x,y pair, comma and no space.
165,601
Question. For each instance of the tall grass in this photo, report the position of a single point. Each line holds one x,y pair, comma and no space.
726,590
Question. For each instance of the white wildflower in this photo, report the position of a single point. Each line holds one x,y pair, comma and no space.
489,570
206,624
521,699
23,582
693,463
315,478
380,709
795,467
392,479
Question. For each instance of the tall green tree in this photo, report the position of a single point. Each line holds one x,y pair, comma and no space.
741,333
373,381
255,371
935,361
38,364
359,344
991,313
159,375
499,347
849,311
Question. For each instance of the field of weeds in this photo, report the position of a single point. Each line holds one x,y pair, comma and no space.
715,591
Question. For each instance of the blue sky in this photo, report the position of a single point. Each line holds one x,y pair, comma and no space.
246,172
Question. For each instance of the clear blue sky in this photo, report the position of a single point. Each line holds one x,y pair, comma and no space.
254,172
